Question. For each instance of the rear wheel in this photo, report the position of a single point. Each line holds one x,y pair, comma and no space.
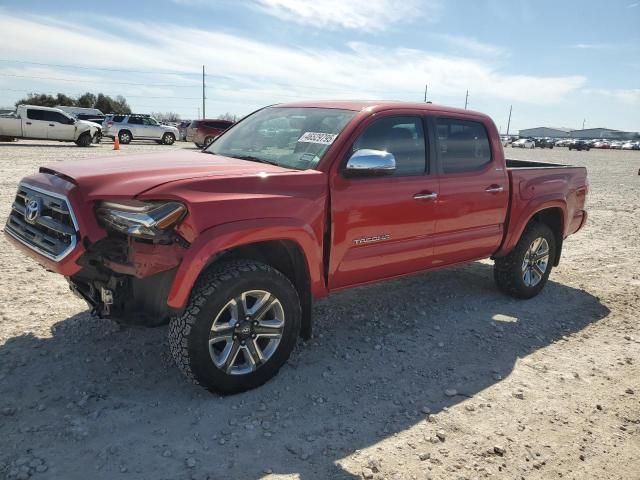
239,328
168,138
525,271
125,136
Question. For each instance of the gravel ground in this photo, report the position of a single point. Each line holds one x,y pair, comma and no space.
440,376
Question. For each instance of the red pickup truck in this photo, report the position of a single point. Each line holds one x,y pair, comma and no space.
232,244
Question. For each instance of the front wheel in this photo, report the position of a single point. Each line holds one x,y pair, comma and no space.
524,272
168,138
84,140
239,328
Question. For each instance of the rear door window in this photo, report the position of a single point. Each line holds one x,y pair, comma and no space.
135,121
463,145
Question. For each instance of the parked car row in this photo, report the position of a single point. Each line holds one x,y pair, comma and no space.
570,143
88,125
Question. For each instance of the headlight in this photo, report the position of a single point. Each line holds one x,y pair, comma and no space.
140,219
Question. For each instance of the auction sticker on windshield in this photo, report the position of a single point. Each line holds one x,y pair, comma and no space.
314,137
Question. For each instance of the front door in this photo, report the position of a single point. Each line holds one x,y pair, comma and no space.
382,227
60,126
474,192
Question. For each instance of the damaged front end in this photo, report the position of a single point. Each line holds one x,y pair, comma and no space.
127,275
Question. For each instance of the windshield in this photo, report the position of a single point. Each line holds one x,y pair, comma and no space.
289,137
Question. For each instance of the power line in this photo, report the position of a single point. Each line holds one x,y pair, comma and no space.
82,93
104,69
100,81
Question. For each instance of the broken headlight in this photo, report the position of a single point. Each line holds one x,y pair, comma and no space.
140,219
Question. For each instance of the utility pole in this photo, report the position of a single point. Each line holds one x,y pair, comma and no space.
466,100
204,114
509,122
425,92
583,121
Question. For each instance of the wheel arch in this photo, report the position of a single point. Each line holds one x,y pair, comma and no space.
291,247
553,217
552,213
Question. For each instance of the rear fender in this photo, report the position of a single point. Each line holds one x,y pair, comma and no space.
524,215
215,241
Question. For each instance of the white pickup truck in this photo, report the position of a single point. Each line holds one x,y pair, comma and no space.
43,123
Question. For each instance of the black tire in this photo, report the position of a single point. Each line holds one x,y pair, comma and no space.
508,271
168,138
197,145
208,140
189,333
125,137
84,140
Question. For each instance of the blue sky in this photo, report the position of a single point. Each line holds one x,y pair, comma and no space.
557,62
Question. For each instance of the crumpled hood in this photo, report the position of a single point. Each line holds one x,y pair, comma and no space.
130,175
89,124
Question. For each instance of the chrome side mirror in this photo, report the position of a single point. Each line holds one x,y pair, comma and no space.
368,162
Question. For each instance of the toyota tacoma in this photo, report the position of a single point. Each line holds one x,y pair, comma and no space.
231,245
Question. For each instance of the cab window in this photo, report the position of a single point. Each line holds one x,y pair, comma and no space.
463,145
401,136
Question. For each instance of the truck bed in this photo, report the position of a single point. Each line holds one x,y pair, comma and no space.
531,164
552,184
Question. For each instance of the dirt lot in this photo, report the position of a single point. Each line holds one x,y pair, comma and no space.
434,376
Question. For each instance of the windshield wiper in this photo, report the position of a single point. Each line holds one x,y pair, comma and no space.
256,159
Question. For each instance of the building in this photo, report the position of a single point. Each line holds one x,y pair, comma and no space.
587,133
607,133
545,132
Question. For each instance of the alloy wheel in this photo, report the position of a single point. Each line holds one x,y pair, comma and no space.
535,262
246,332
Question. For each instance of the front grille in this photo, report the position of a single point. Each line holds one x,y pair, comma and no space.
43,221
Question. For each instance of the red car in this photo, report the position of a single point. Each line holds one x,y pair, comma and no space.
203,132
231,245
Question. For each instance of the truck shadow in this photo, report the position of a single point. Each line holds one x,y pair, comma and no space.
381,356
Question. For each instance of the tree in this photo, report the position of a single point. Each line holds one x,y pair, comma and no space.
40,99
232,117
107,104
166,116
63,99
87,100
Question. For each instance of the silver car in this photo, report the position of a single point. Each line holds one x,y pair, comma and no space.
137,127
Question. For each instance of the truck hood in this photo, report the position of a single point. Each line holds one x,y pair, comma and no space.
131,175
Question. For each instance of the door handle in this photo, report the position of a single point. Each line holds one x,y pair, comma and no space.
28,123
425,196
494,189
52,125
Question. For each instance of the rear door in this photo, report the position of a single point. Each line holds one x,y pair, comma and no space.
474,191
35,125
60,126
383,226
135,125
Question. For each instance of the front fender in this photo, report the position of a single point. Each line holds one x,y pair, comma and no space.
235,234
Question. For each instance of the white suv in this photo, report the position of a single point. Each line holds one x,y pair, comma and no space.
137,127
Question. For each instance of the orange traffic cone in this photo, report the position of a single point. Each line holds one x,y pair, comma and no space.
116,143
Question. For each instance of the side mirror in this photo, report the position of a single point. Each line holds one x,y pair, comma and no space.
366,162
